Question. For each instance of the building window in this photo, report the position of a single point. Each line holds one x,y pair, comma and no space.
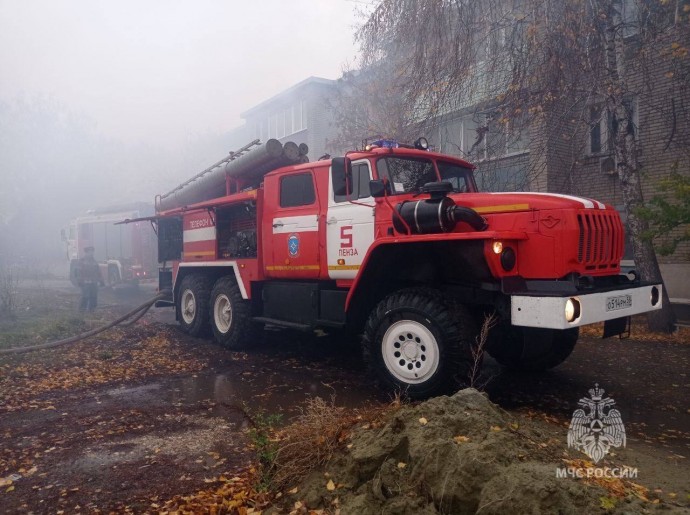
597,130
297,116
287,121
630,17
483,136
503,175
603,126
272,126
287,116
297,190
280,131
497,137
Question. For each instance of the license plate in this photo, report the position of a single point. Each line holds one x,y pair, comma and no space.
618,302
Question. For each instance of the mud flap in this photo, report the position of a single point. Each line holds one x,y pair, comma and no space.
617,326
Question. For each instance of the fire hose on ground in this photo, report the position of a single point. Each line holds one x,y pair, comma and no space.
135,315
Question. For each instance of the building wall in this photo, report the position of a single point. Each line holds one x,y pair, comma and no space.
316,127
559,157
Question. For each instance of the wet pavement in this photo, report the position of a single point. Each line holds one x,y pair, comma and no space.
647,379
188,426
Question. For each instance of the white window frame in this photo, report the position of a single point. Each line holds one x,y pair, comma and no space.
286,121
604,124
498,153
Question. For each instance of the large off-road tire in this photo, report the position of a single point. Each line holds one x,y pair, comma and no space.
231,316
192,304
420,343
529,348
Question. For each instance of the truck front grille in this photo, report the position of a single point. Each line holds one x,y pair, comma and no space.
600,243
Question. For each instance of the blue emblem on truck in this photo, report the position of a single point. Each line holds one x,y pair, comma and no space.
293,245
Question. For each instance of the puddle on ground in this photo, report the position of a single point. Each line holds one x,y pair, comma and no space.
272,392
233,393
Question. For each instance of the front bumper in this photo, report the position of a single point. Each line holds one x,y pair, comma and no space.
550,311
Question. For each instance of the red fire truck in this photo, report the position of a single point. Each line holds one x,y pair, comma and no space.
126,253
396,243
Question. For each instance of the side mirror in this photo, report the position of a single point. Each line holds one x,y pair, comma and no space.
341,167
377,188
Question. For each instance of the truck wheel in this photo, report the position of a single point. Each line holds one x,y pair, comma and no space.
192,304
530,348
418,341
231,316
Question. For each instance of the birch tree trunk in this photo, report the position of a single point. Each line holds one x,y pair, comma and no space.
625,149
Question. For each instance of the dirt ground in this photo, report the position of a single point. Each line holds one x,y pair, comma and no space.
132,418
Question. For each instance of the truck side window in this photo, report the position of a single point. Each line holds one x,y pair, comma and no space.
297,190
357,187
363,181
85,230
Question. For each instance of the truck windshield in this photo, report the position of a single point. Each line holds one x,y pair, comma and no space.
459,176
406,175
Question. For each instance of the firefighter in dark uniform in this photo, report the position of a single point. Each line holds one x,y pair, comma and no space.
89,275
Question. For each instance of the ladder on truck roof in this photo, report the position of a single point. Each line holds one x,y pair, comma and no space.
233,155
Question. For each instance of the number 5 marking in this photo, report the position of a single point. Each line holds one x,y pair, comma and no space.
346,237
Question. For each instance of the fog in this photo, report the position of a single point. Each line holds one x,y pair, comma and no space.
106,102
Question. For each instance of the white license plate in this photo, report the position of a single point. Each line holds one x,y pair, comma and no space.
618,302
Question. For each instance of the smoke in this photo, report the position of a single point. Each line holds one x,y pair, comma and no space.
55,165
114,102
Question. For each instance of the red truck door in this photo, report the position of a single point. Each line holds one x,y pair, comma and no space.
350,221
291,226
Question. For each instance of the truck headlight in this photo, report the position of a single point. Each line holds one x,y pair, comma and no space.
572,309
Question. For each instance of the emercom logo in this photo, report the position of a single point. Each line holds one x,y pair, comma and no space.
596,427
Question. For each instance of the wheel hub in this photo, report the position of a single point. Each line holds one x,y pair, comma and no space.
410,351
222,313
188,304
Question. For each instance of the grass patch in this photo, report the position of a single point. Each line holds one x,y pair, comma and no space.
262,435
40,330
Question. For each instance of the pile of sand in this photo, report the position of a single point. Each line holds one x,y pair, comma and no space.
459,454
